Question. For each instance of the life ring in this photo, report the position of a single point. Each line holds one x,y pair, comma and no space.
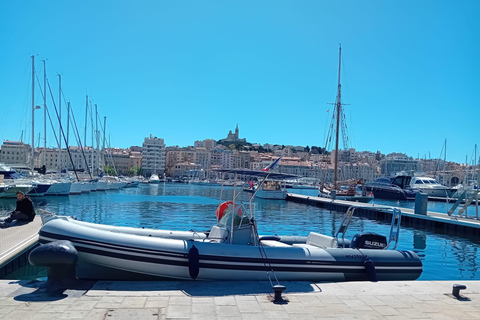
221,209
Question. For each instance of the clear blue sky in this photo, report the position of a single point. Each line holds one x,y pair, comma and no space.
192,70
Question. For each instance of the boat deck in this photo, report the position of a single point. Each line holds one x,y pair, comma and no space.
15,242
438,221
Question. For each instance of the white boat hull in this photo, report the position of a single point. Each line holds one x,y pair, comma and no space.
76,188
59,189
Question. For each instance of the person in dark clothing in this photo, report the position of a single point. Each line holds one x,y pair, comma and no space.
23,212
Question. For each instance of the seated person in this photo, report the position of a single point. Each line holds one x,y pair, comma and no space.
23,212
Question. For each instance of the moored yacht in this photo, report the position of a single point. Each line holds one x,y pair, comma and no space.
154,179
431,187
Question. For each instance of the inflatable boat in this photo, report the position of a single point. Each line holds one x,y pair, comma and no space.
231,250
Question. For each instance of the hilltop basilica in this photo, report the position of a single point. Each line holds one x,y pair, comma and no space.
233,137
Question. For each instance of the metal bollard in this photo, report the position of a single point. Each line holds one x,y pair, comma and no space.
457,288
278,289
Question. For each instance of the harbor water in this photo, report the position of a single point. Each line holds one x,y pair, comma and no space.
177,206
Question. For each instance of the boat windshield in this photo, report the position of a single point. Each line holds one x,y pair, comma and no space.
240,215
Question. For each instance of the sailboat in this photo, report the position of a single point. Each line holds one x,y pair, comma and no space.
350,194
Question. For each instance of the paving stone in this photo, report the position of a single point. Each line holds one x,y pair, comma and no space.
226,311
133,302
275,314
386,311
46,316
310,300
371,300
294,308
84,305
7,309
177,311
326,299
204,308
97,314
369,315
20,314
54,308
74,314
128,314
109,302
413,313
249,306
225,301
156,302
245,298
31,306
180,300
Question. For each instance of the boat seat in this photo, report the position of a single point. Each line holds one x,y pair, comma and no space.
321,241
273,243
217,234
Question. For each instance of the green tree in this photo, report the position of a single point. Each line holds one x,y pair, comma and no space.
134,171
109,170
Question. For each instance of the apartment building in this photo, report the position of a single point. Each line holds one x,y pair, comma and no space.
153,156
15,153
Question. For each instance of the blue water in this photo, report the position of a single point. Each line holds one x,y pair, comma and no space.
184,207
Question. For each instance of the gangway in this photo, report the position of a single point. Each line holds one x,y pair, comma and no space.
473,196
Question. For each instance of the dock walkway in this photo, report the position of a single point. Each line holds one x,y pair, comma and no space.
15,242
435,220
111,300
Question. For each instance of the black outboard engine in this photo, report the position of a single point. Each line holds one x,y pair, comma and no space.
368,241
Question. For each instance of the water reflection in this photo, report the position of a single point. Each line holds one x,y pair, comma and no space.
419,240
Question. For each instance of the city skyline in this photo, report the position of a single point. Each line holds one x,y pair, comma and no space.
191,72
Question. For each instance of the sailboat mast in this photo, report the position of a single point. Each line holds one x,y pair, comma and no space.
60,163
33,111
68,120
86,119
44,113
339,105
96,137
104,128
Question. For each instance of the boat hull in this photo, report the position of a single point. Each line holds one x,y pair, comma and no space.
271,194
59,189
118,255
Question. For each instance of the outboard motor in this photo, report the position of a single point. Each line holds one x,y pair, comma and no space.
368,241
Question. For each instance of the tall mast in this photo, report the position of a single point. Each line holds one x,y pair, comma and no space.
93,131
96,138
59,165
104,129
44,113
339,105
104,162
68,120
33,111
86,119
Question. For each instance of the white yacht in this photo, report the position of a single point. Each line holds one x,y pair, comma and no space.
431,187
154,178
